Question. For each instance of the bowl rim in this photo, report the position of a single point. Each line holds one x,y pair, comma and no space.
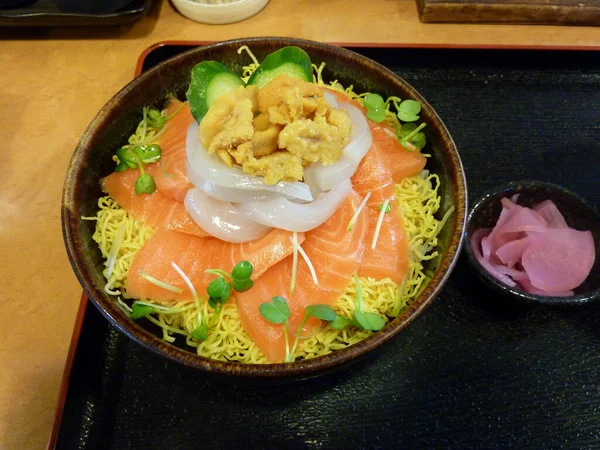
303,368
580,299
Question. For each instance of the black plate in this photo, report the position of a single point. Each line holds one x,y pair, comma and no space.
473,371
44,13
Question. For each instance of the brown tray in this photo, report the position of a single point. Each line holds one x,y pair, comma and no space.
471,372
552,12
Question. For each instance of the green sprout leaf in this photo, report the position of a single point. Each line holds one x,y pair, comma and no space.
281,305
408,110
242,285
339,322
125,157
361,320
375,107
242,270
122,166
155,118
411,133
240,276
323,312
200,333
148,154
145,184
220,289
368,321
138,311
270,312
388,208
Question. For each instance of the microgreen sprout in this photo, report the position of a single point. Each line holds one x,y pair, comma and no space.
141,309
154,117
357,212
408,111
323,312
219,290
387,209
201,331
375,107
382,212
137,153
278,312
130,158
410,136
361,319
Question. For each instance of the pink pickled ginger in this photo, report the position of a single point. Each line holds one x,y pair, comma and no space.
535,249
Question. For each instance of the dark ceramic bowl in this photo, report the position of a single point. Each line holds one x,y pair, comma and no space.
118,119
578,213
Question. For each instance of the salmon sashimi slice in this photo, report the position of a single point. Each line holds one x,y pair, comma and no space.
155,210
386,164
194,255
170,174
335,254
401,162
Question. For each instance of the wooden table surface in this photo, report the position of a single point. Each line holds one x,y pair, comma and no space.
52,83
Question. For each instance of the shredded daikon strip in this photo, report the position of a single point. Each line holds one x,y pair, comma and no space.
357,212
308,263
159,283
390,132
445,218
295,262
379,222
192,289
114,250
399,297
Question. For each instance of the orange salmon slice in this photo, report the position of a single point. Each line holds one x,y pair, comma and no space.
170,175
335,254
155,210
386,164
194,255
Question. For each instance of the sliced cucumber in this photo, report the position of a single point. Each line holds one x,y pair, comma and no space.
291,61
210,80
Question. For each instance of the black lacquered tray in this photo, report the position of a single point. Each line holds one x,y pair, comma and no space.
44,13
475,370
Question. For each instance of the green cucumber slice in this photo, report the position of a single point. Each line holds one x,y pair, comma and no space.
291,61
209,81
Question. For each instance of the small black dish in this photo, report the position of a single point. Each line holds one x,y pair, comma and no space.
578,213
91,6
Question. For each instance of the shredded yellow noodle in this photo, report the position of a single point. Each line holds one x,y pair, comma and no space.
227,341
418,201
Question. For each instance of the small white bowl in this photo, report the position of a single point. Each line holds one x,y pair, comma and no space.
234,11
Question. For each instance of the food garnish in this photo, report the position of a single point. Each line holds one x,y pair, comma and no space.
219,290
201,331
535,250
361,319
278,312
382,211
159,283
290,61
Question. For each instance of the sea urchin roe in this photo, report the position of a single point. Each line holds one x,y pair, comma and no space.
274,132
